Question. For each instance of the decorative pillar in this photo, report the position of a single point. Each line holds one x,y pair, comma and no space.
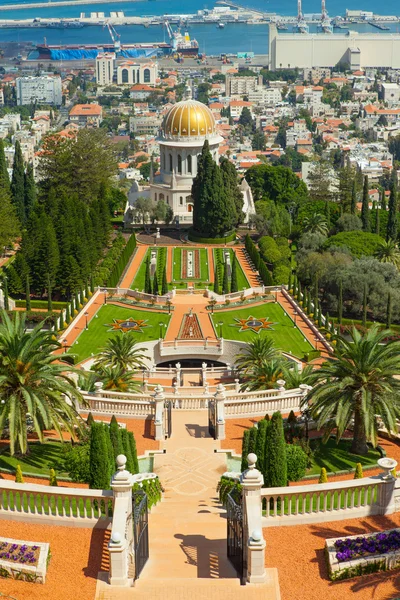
386,488
178,374
220,411
98,388
252,482
281,385
159,400
120,546
204,372
237,385
146,385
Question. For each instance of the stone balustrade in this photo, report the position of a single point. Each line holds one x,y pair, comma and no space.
55,505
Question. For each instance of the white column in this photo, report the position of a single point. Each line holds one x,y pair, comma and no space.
252,482
159,400
98,388
386,488
204,372
178,374
220,410
120,546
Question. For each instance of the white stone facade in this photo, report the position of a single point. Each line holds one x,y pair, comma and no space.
40,90
105,68
129,73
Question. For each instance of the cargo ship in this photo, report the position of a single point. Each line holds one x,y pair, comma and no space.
90,51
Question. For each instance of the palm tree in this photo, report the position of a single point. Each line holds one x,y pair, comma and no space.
358,382
294,377
120,352
115,379
315,223
388,252
259,351
264,376
33,387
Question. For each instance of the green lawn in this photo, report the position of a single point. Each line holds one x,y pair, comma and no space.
177,268
92,340
336,457
41,458
219,258
285,336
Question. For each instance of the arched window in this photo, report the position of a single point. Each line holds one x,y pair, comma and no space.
179,163
125,76
155,197
170,163
146,76
180,201
161,196
189,163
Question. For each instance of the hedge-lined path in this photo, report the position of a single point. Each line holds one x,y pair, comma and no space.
133,267
182,305
211,267
251,275
170,265
80,324
187,530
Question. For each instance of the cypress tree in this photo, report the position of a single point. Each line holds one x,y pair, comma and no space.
86,290
115,437
316,298
340,303
299,291
76,302
18,183
98,458
216,280
252,440
265,274
19,478
147,278
309,302
67,315
49,300
389,311
358,473
5,292
377,225
391,231
260,444
91,283
294,286
81,296
290,281
110,453
323,478
327,322
4,179
127,450
28,294
53,478
365,217
225,281
29,191
132,444
319,317
214,213
364,317
275,453
383,200
353,205
164,285
245,449
155,284
89,420
234,282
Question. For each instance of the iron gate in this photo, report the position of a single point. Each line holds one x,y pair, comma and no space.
168,418
140,530
212,418
237,546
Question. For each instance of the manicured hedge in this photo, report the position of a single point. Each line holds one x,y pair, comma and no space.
195,238
360,243
41,304
121,263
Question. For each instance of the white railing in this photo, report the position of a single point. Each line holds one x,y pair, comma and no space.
247,293
316,503
55,505
122,405
259,403
204,347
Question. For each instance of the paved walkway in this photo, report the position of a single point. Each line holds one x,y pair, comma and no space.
247,267
187,530
133,267
182,304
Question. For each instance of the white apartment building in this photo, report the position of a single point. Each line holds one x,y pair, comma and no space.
105,68
145,125
131,72
265,96
45,89
241,86
391,93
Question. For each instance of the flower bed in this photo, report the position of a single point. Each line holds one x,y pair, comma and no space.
24,560
358,555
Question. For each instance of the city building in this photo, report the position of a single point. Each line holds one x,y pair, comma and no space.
308,50
391,93
131,72
86,115
105,68
45,89
241,86
145,125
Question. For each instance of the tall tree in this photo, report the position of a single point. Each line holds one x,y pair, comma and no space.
365,303
234,281
28,295
357,389
391,231
164,284
98,458
377,224
29,191
33,382
383,199
9,224
147,278
340,303
365,216
155,283
115,437
4,178
121,352
275,453
320,180
231,183
353,205
225,280
245,449
389,311
18,183
213,210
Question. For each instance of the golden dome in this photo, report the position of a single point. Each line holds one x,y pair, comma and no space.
188,119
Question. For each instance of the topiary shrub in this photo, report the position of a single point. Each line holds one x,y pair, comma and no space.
269,250
115,437
53,478
323,478
275,474
358,474
98,458
297,461
19,478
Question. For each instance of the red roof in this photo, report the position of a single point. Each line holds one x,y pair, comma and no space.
92,110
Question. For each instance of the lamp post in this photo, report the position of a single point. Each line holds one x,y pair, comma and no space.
220,329
65,346
316,342
105,295
161,330
86,320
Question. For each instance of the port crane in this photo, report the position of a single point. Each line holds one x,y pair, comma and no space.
302,26
114,36
326,24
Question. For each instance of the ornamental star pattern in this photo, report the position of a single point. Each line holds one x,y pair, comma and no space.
253,324
130,324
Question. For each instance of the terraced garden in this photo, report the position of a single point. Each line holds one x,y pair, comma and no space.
190,265
219,268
